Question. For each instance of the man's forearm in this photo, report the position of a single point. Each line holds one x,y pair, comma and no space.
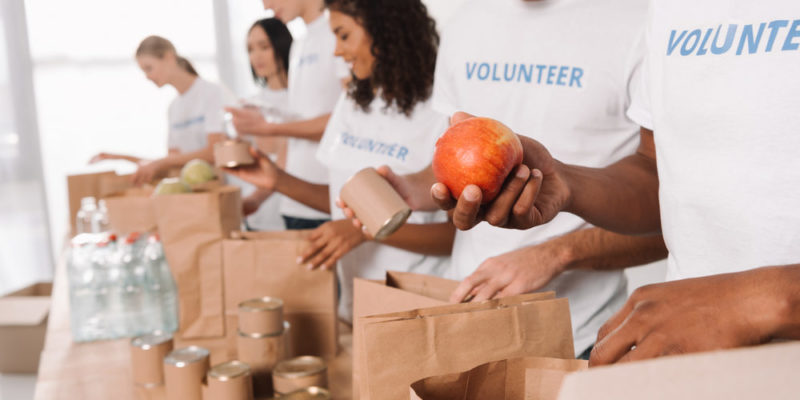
622,197
599,249
783,283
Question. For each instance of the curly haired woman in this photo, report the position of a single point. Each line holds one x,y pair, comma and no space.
384,118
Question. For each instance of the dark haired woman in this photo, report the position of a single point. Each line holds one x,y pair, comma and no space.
383,119
195,117
268,44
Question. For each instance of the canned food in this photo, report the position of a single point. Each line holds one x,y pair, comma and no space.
298,373
262,316
309,393
262,353
147,357
232,154
230,381
184,372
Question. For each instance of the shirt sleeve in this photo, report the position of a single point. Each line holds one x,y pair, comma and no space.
639,102
444,95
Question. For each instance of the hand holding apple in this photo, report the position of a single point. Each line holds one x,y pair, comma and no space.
528,195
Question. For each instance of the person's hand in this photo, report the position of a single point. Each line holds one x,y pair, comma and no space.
263,172
533,193
413,192
248,120
148,171
251,203
691,315
520,271
101,157
330,242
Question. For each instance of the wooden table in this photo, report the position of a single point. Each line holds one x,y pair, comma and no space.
102,371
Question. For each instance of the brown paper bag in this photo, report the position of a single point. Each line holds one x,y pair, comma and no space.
84,185
530,378
398,349
192,227
131,210
401,291
258,264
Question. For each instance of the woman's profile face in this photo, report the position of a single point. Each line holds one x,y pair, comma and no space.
262,55
154,68
353,44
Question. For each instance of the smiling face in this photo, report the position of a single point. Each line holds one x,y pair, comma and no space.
284,10
353,44
155,69
261,52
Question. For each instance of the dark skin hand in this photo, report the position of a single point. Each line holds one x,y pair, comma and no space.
715,312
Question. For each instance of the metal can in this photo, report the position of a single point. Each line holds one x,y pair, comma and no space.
184,372
298,373
309,393
232,153
147,357
262,353
262,316
230,381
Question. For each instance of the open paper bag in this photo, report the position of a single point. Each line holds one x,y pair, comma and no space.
192,227
529,378
397,349
258,264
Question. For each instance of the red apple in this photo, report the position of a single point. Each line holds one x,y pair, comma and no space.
477,151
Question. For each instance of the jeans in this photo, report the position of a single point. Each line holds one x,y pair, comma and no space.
293,223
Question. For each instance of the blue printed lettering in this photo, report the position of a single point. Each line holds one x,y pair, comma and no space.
513,72
577,73
528,74
470,71
747,37
673,43
541,68
685,50
402,153
483,76
775,26
703,49
728,40
551,73
494,73
562,74
794,32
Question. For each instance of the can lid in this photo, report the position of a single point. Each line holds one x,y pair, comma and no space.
229,370
150,340
286,327
299,366
393,224
185,356
261,304
309,393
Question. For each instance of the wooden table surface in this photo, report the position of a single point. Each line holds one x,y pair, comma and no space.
102,371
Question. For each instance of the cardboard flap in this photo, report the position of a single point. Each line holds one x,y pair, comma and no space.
24,311
271,235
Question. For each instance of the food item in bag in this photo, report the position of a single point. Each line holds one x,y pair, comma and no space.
197,171
171,186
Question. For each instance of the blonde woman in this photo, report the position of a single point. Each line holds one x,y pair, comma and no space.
195,116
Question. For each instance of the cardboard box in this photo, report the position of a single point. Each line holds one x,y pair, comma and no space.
760,372
23,321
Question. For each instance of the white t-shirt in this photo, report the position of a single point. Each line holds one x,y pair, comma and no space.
354,140
274,105
557,71
726,117
195,114
314,86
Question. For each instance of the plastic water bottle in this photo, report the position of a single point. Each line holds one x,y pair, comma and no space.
100,218
84,219
162,284
79,276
